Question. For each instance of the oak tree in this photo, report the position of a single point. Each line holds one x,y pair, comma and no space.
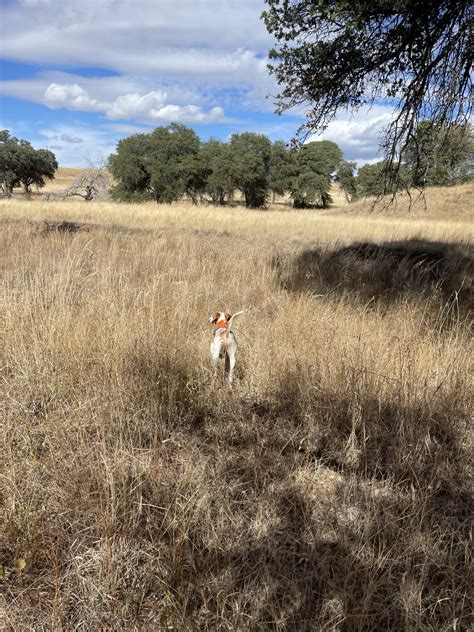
22,164
332,55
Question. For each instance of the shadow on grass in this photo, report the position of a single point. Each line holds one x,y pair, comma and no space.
332,511
388,272
354,512
361,573
353,553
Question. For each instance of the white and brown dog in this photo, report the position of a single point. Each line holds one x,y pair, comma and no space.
224,343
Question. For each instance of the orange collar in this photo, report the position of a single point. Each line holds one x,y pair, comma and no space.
221,327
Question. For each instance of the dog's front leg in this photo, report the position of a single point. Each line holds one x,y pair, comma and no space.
215,353
230,362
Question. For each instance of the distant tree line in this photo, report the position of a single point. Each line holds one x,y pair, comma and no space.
172,162
434,156
22,165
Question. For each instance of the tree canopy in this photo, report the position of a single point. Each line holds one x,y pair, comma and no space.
316,163
283,168
161,165
218,168
251,154
369,179
172,162
434,157
346,179
344,54
21,164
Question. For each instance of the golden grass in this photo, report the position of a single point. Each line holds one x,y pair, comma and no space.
447,203
275,226
329,490
443,203
63,179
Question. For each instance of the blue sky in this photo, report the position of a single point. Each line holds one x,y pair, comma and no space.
76,76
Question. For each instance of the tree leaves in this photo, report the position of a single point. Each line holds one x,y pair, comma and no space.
172,162
21,164
345,54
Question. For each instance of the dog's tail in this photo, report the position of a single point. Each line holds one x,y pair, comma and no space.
231,320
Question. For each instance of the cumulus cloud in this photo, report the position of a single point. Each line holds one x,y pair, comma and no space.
70,96
186,114
134,105
106,90
152,107
359,134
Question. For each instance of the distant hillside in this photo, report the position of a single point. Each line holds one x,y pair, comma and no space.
453,203
63,179
65,176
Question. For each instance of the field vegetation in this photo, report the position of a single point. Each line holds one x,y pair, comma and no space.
330,489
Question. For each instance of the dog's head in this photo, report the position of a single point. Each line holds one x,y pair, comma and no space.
216,317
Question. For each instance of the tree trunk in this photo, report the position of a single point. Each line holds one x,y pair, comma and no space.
7,190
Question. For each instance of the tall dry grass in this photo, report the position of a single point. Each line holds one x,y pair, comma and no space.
453,203
329,490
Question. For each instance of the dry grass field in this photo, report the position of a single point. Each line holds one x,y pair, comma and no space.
330,489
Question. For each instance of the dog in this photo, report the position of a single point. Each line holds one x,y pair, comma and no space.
224,342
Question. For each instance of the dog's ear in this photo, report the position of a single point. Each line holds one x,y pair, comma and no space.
228,316
213,318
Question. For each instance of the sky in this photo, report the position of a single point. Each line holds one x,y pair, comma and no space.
76,76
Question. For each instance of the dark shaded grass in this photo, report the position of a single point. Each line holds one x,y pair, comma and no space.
440,273
362,501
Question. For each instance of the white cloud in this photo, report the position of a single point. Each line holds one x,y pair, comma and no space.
209,38
128,36
134,105
152,107
106,90
196,47
186,114
147,107
359,134
70,96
